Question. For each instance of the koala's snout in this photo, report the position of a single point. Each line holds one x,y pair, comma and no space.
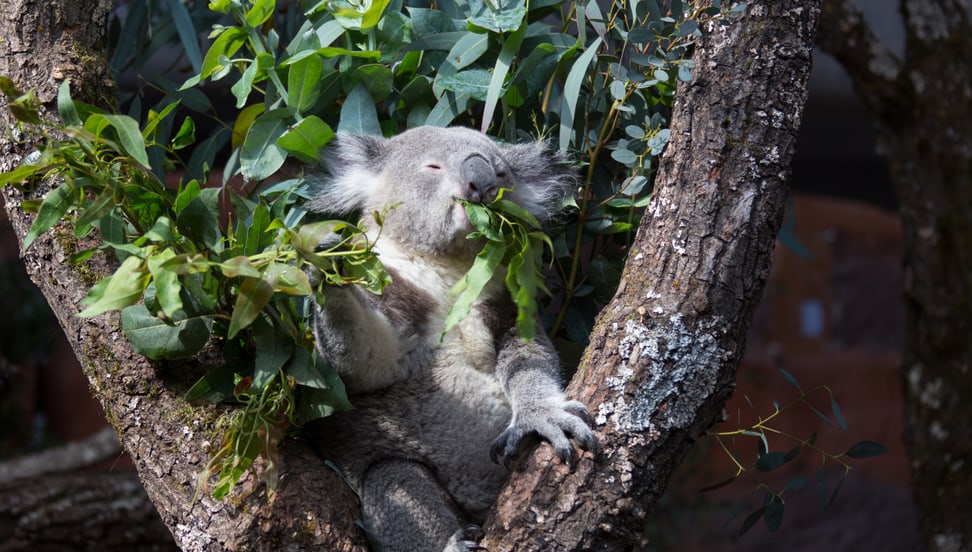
479,179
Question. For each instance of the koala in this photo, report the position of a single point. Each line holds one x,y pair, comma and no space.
434,414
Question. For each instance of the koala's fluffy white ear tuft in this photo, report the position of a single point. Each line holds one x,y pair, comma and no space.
350,161
542,178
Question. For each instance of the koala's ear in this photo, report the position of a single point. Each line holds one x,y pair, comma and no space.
542,177
353,163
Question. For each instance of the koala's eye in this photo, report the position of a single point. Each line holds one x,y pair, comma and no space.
500,174
432,166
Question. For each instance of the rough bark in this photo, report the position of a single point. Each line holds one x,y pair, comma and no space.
922,106
663,354
42,44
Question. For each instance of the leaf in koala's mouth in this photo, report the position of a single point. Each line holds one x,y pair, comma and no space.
513,239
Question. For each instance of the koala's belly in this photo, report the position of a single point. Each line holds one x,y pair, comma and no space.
449,428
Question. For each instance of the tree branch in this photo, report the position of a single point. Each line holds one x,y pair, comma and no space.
874,70
663,355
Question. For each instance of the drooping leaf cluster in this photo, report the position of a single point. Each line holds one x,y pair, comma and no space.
768,460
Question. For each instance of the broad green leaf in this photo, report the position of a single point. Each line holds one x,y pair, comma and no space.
244,120
521,214
499,16
260,12
377,78
244,85
427,21
288,279
373,14
129,137
65,105
187,194
186,134
320,400
162,231
473,282
305,139
26,170
253,295
226,44
215,386
469,48
123,288
473,83
199,219
261,157
162,340
239,266
257,238
572,86
273,350
97,208
304,83
449,106
358,113
55,204
167,287
304,371
157,118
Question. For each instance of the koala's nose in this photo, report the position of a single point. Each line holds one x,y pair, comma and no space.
479,179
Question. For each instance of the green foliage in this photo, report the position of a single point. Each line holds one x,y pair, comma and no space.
196,261
184,276
767,460
513,240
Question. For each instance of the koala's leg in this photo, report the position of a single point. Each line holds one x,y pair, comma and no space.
405,509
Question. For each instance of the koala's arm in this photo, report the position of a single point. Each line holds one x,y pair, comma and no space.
529,374
357,339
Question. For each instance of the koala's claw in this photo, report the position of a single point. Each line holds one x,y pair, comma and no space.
553,422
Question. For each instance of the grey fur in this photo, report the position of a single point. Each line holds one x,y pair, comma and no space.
431,411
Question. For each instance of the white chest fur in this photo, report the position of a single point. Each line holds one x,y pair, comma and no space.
468,346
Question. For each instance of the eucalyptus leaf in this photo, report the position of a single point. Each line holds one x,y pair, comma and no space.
358,114
164,340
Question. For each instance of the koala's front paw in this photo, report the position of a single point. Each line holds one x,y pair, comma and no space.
553,419
465,540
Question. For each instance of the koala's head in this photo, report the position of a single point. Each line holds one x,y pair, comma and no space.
423,171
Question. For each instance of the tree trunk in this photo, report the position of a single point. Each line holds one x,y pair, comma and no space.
44,43
922,106
664,352
661,362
